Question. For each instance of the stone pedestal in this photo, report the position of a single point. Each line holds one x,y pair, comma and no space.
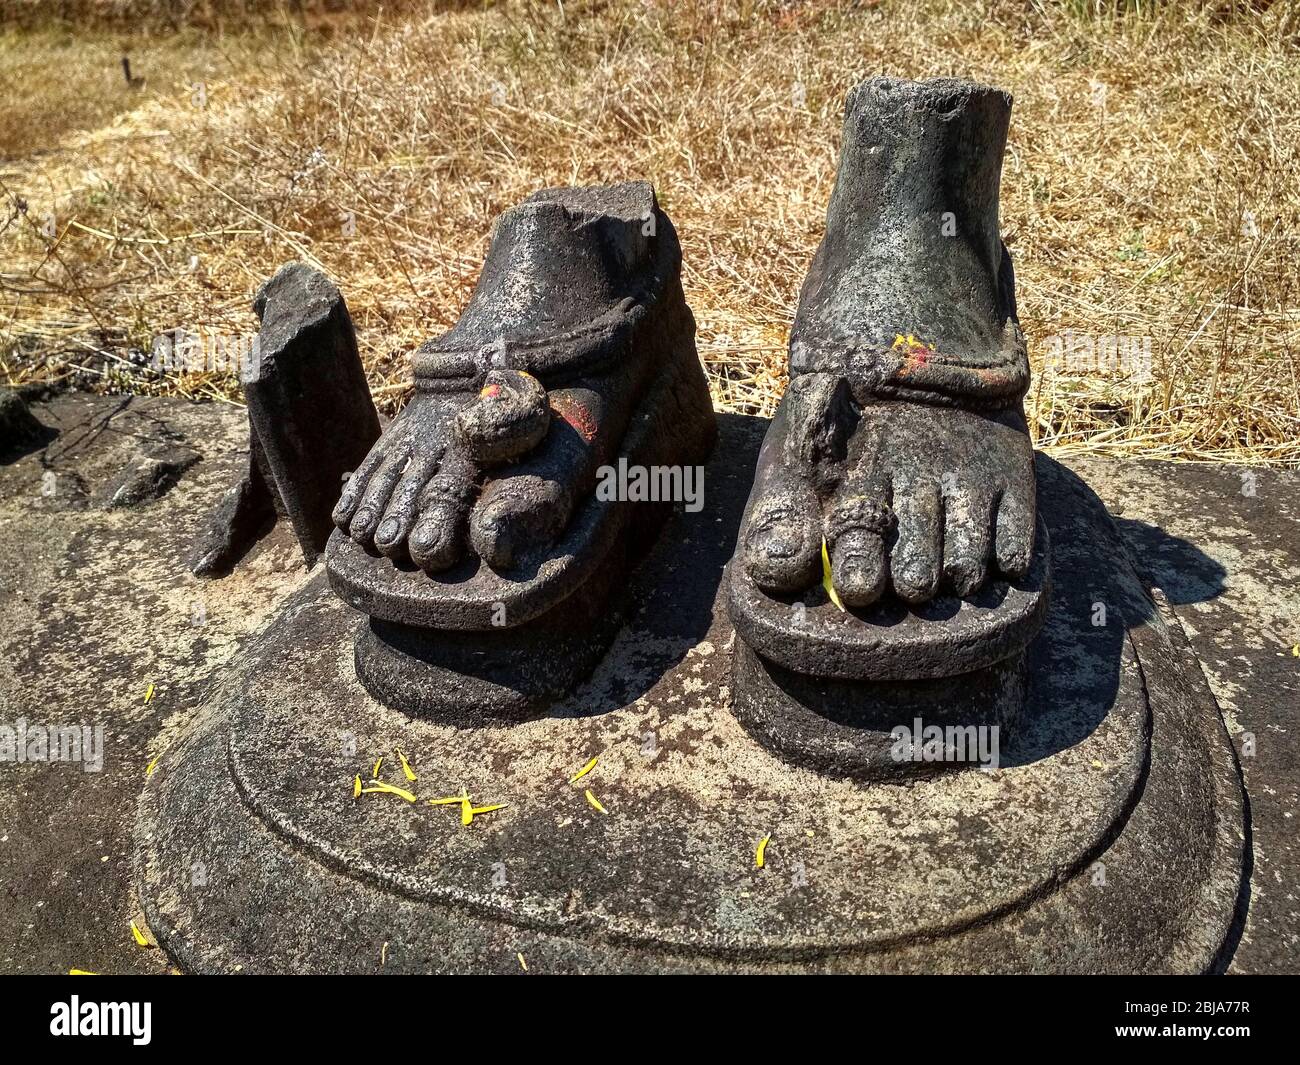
877,730
848,691
1109,838
496,675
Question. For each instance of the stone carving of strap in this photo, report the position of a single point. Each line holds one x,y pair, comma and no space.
561,354
911,371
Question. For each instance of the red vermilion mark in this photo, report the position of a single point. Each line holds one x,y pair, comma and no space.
577,416
490,391
915,354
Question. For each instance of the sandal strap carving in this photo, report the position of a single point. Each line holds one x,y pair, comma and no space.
909,370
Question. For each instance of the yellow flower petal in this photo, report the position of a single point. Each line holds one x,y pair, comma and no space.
81,972
760,855
595,802
139,936
356,786
406,766
148,692
389,789
375,772
522,964
148,770
584,771
450,800
826,576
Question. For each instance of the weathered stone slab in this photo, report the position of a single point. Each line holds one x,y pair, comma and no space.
1223,543
94,604
97,605
962,872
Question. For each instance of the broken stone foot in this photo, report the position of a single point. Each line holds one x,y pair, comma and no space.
896,485
477,646
530,391
246,512
472,535
311,420
900,444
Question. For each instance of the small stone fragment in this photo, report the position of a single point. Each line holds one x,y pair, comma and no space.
148,477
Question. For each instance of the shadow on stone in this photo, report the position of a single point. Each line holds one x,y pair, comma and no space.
1179,568
20,432
1074,663
675,588
148,476
1095,585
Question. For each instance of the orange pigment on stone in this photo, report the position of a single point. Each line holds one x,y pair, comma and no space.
577,416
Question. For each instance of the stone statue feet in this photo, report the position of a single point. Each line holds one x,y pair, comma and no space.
411,496
575,356
898,473
900,449
532,390
918,500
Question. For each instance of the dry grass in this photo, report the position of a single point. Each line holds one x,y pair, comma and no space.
1140,139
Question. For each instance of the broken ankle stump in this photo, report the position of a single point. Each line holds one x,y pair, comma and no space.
861,718
473,536
310,416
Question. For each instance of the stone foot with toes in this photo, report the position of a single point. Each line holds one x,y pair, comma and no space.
889,565
900,445
475,515
527,395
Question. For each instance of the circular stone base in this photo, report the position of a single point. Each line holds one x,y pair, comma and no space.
878,730
1108,839
506,674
